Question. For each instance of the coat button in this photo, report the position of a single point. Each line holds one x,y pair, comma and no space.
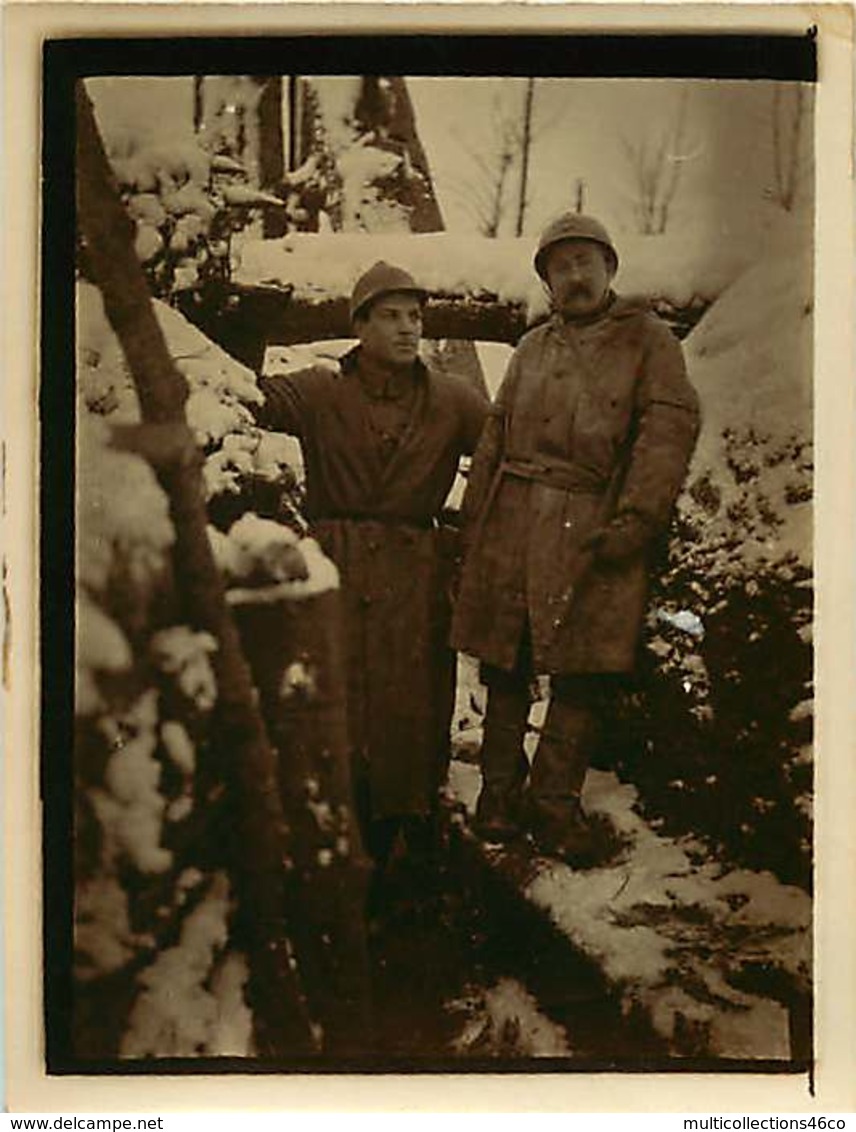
557,622
366,599
567,524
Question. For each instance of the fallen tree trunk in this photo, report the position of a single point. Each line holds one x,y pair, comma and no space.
244,320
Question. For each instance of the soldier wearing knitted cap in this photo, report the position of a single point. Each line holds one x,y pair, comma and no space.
381,441
574,479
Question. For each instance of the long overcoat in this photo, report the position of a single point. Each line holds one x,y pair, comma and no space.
377,521
592,420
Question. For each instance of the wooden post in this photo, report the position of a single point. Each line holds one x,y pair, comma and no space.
295,648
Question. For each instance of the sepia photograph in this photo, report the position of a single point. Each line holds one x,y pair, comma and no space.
428,560
443,656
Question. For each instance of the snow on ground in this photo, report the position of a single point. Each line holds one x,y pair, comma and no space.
180,1013
505,1020
673,935
670,927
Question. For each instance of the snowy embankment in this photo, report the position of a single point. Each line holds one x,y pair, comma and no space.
674,933
750,358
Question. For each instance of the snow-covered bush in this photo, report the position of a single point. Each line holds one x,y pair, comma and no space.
246,468
144,692
168,193
187,203
146,771
724,749
724,746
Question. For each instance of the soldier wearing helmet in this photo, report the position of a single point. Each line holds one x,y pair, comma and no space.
382,440
575,476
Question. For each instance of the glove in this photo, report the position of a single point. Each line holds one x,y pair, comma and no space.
623,538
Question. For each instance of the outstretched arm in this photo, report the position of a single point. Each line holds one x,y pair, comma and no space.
285,407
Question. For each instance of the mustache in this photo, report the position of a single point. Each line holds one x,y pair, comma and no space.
575,290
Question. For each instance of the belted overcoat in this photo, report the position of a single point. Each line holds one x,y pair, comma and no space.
377,520
593,420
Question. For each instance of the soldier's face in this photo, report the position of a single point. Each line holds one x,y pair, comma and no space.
390,332
579,276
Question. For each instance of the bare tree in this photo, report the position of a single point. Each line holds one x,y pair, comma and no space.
487,191
485,198
483,188
656,164
788,117
579,195
525,148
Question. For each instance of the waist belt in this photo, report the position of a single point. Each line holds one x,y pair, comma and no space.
566,477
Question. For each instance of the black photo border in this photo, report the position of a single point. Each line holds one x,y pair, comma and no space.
710,56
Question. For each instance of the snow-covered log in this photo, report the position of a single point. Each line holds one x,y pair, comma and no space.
256,317
320,267
296,289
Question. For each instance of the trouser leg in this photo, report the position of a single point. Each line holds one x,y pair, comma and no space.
560,765
504,765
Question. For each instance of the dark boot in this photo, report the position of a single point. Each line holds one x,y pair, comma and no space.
558,822
504,765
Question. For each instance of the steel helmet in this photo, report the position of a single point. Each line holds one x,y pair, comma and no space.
383,279
572,226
